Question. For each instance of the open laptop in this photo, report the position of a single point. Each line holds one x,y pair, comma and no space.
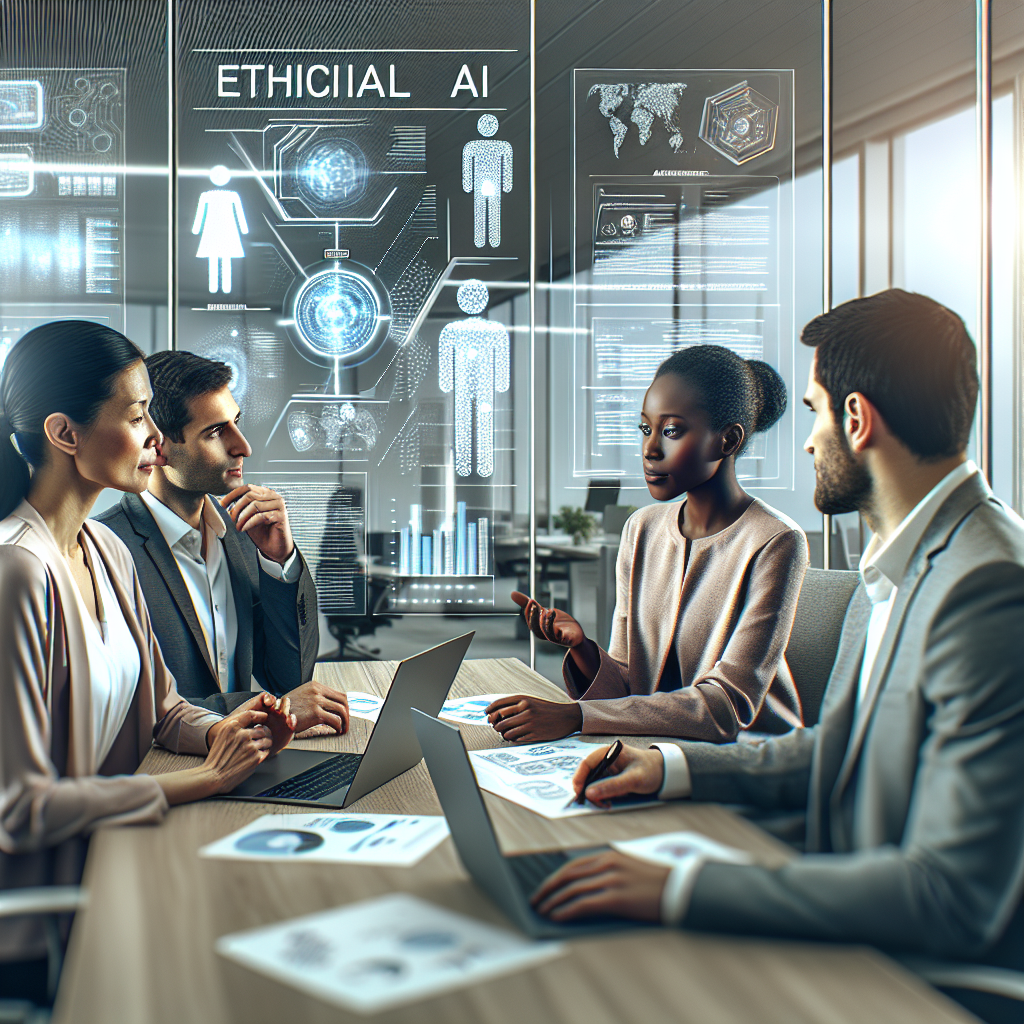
509,881
338,780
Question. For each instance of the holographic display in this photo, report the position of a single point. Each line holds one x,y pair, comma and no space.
220,218
331,174
21,106
338,428
61,191
739,123
673,248
487,172
17,171
358,217
645,102
328,522
473,362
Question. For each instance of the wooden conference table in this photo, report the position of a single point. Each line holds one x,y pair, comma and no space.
142,950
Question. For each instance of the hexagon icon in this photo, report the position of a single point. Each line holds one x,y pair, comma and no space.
739,123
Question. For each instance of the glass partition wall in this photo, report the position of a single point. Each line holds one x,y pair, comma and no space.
444,245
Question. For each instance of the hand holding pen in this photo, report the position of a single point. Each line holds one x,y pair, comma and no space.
629,770
598,771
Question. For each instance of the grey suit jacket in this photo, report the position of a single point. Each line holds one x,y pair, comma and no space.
278,635
914,801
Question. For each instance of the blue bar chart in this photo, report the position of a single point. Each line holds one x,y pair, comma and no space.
455,546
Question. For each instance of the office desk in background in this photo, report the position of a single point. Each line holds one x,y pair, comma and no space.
142,951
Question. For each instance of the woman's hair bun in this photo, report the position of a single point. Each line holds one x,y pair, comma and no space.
771,389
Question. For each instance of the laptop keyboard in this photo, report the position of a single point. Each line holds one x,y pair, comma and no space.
318,781
531,869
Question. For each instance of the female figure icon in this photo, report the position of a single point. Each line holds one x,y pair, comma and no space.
220,218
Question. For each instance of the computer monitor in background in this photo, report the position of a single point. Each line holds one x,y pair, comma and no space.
601,493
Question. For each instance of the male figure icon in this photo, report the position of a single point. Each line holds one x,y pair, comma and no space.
487,172
220,218
473,361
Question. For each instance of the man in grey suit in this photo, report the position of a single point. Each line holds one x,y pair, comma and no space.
912,782
228,591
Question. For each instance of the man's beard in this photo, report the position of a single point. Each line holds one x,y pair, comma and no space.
843,484
192,476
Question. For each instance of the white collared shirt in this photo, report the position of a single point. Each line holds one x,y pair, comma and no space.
209,581
882,567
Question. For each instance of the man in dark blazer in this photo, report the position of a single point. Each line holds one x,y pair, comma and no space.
912,782
230,595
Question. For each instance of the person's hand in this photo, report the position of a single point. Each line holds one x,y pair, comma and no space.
522,719
550,624
605,883
238,744
280,721
318,709
276,718
260,512
633,771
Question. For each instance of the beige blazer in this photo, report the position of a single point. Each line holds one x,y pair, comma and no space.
725,604
51,789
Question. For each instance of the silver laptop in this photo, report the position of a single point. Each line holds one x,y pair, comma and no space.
338,780
509,881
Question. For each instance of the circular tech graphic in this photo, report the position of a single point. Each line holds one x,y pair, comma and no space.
331,174
341,312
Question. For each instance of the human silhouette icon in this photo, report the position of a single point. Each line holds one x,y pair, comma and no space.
473,358
220,218
487,172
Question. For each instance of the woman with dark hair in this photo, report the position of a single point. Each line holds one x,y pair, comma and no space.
706,588
83,688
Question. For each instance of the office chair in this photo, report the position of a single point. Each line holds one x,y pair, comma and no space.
811,652
601,493
839,554
1006,985
50,901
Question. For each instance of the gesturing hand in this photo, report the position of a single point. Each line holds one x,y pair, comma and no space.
550,624
606,883
523,719
633,771
260,512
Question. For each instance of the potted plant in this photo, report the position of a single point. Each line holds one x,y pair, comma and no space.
580,525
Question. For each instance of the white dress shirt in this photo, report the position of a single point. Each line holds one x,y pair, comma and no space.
208,580
882,567
114,663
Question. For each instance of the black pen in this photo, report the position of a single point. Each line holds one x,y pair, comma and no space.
597,772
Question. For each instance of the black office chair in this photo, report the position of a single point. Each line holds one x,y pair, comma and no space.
811,652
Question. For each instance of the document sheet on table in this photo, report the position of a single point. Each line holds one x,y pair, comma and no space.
394,839
539,776
383,952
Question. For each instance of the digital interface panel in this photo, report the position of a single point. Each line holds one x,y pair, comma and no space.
61,198
344,246
683,236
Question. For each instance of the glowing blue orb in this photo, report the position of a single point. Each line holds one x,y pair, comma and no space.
332,173
337,314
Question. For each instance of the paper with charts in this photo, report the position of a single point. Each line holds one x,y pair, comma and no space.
364,705
398,840
383,952
469,710
670,848
539,777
